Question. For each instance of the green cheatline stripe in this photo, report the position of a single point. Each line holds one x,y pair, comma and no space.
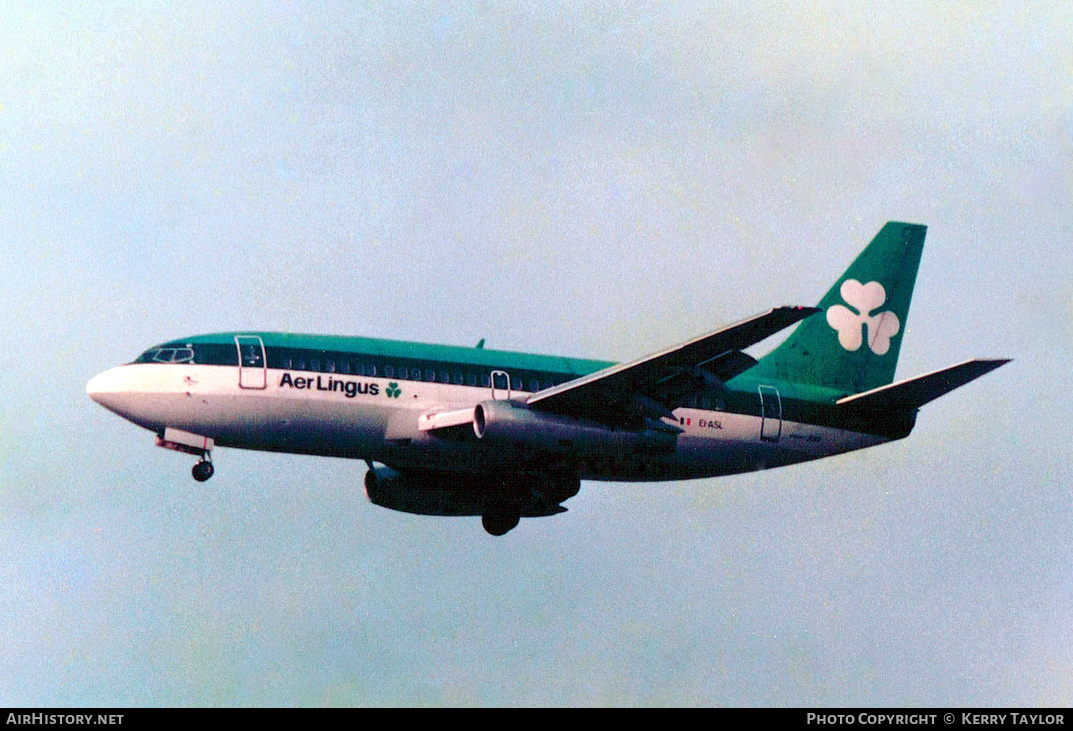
806,403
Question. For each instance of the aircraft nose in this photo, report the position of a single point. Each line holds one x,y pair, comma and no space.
96,386
130,392
106,387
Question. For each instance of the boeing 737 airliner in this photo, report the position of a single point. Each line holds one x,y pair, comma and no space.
468,431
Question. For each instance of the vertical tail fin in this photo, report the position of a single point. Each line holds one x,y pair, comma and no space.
854,345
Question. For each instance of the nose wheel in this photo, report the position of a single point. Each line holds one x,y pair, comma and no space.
188,443
202,470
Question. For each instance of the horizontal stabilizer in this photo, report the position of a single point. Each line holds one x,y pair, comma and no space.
915,392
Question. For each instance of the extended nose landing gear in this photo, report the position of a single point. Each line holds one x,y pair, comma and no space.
187,443
202,470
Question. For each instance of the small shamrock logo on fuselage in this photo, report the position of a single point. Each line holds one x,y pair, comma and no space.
393,390
865,298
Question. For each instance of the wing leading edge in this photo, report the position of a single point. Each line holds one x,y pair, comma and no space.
715,355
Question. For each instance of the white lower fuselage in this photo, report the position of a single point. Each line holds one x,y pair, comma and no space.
376,419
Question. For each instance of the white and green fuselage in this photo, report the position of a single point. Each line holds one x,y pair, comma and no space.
311,395
462,431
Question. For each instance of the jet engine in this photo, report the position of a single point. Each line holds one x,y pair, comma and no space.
425,493
504,422
499,497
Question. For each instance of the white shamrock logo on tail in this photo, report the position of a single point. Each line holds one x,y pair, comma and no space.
865,298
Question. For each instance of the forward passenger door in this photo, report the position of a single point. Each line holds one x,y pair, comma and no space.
252,368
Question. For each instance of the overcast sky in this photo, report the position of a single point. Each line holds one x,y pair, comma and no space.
587,179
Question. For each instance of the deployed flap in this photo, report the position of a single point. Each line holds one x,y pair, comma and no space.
680,383
578,396
730,364
915,392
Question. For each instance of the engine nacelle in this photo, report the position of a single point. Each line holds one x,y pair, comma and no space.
423,493
449,493
503,422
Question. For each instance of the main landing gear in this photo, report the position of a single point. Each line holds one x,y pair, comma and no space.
503,509
500,520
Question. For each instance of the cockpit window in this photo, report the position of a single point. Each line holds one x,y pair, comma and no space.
164,355
199,353
171,355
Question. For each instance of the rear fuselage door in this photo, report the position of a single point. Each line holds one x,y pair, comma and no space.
770,414
252,368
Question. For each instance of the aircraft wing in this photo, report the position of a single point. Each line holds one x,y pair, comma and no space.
715,356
